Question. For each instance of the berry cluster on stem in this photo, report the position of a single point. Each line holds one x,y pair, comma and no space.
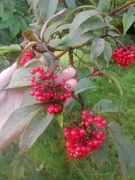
46,90
124,56
85,136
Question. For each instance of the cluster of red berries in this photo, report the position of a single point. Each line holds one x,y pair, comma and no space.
124,56
29,54
86,136
46,90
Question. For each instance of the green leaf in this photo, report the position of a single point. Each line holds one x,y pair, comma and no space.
83,85
100,155
93,25
17,124
28,100
81,18
73,39
103,5
9,49
70,4
107,51
126,151
32,63
127,21
36,127
48,7
21,78
49,31
97,47
105,105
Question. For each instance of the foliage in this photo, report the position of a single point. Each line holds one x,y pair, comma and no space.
84,38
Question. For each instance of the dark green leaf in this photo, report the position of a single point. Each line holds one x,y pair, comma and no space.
83,85
17,124
36,127
97,47
125,150
105,105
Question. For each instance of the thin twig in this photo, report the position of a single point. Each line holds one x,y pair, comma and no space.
123,6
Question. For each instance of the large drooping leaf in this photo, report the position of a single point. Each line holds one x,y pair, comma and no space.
36,127
9,49
17,124
97,47
81,18
100,155
128,19
21,78
105,105
103,5
126,151
107,51
83,85
73,39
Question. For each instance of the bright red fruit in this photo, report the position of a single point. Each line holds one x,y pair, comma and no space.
29,54
124,56
46,90
85,137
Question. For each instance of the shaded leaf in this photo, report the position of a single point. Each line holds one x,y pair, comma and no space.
105,105
127,21
126,151
107,51
100,155
73,39
17,123
70,4
83,85
49,31
9,49
36,127
97,47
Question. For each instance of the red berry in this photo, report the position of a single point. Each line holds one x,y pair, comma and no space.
124,56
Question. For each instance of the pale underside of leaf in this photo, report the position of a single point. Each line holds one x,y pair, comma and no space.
36,127
17,123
